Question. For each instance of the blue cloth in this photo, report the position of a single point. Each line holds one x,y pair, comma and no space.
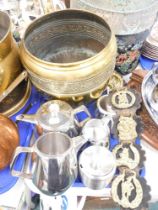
146,63
25,132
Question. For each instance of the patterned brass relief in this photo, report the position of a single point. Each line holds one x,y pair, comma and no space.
127,155
127,129
124,102
115,82
67,87
62,28
123,99
127,190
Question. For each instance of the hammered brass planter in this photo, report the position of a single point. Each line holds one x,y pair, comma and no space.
69,53
10,66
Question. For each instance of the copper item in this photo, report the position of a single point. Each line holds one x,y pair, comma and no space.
81,58
10,66
9,140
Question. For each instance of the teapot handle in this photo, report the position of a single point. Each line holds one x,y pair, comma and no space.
81,115
16,153
78,142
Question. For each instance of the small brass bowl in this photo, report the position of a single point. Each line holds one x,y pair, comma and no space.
69,53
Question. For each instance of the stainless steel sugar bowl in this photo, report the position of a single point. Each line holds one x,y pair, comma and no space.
69,53
97,167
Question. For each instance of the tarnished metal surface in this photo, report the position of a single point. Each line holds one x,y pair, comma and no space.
131,16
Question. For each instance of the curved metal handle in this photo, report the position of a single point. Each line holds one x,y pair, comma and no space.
108,121
27,118
81,115
17,152
78,142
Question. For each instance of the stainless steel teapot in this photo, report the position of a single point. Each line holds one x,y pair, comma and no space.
56,115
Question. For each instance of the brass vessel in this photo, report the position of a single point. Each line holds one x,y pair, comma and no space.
10,66
69,53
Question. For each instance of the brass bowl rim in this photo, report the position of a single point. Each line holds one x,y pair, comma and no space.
65,64
9,27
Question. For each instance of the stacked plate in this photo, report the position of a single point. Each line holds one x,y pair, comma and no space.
150,46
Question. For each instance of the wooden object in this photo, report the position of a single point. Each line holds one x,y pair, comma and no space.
150,133
9,140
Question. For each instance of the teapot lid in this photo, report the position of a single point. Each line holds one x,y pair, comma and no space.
54,114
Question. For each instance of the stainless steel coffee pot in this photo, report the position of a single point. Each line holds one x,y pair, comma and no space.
97,131
55,167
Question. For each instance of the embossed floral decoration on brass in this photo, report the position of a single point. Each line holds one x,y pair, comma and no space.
127,155
124,102
130,190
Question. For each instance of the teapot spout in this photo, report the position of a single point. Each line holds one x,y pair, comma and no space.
27,118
